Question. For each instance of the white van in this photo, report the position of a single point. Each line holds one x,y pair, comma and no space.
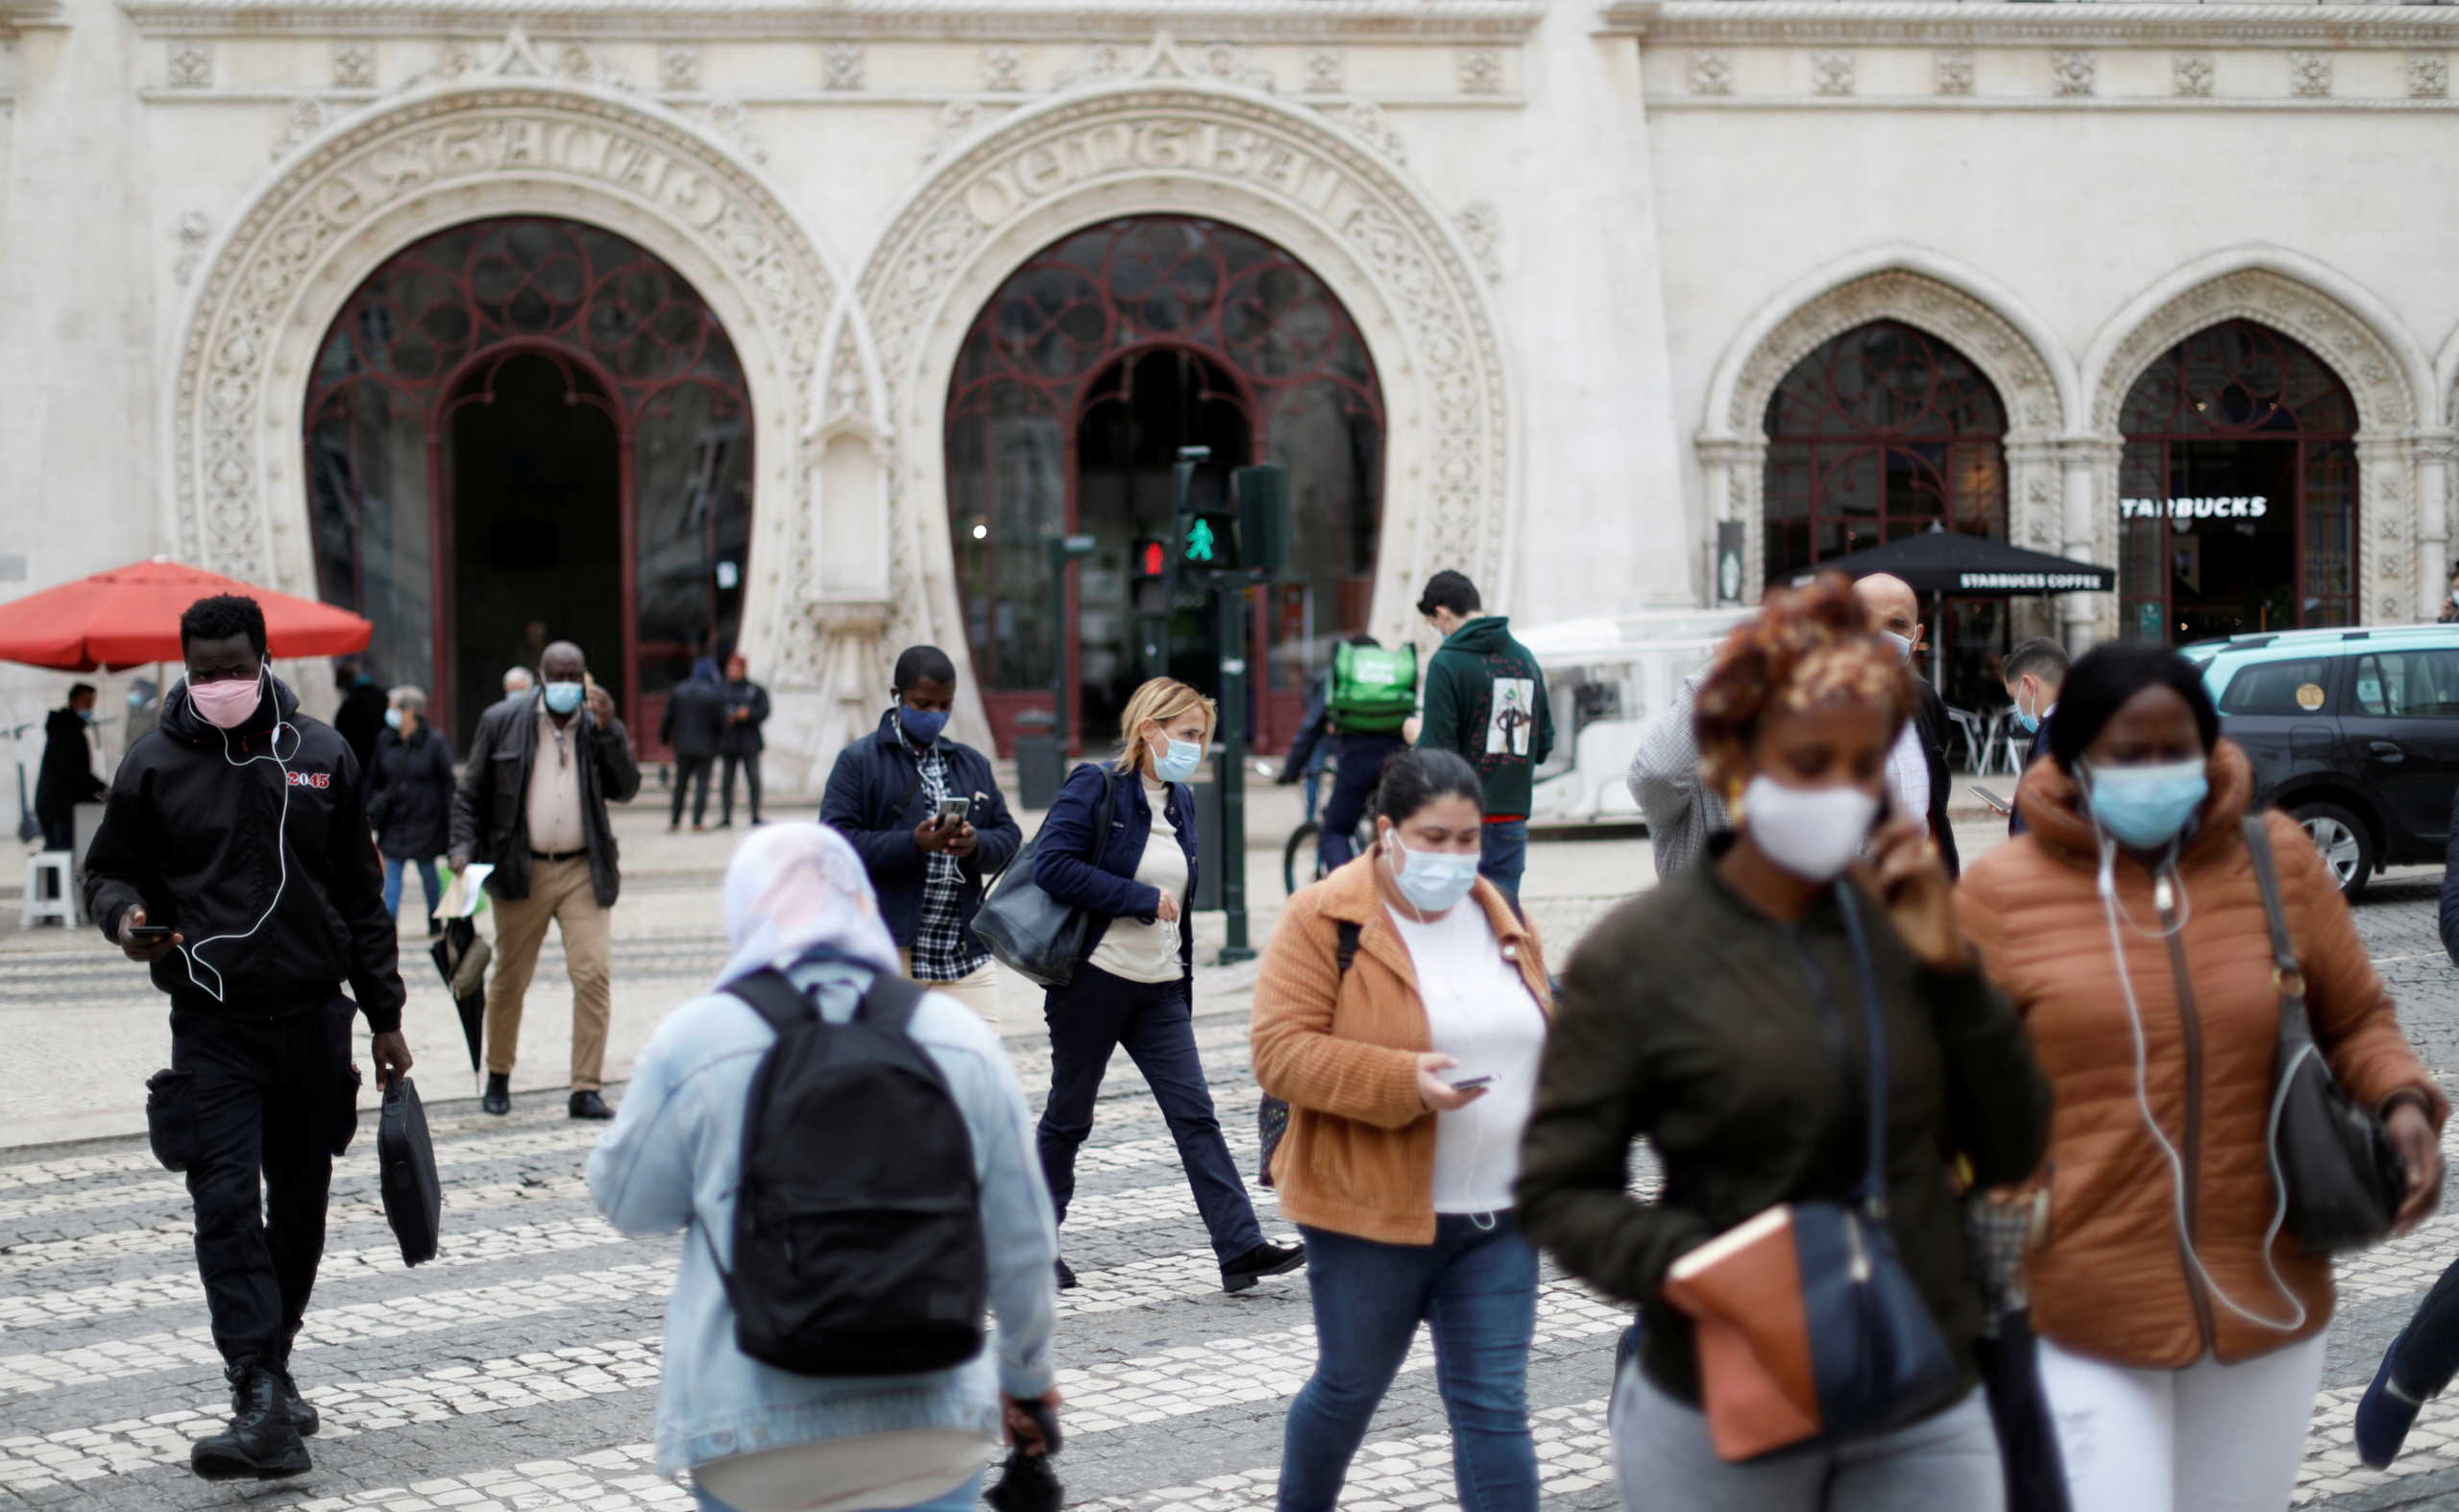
1605,679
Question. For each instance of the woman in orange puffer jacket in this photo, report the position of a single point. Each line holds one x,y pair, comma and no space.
2180,1359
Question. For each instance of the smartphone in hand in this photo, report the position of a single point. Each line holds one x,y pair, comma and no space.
953,811
1469,1084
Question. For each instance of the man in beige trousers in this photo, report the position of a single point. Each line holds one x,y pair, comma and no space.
532,803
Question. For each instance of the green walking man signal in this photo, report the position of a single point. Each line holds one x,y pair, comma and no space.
1200,541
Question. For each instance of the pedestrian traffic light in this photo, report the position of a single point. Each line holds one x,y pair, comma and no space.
1207,522
1151,560
1262,493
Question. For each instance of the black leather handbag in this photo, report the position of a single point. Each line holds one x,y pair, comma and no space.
2334,1158
1030,932
413,1194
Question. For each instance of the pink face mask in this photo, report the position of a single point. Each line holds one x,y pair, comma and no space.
228,702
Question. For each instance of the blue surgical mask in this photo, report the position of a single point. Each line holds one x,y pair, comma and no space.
922,726
393,717
2146,807
563,697
1903,647
2026,720
1180,763
1432,880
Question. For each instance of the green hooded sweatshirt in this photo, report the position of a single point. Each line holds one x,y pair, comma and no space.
1485,698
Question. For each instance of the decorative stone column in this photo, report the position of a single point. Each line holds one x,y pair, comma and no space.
2437,452
840,695
2088,466
1725,462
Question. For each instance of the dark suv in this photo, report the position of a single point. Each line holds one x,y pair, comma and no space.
2355,732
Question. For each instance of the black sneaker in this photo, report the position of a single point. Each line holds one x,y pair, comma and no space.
1264,1259
261,1443
1066,1277
499,1095
587,1104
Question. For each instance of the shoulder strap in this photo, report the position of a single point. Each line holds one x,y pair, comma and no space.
1102,814
1874,1115
889,1002
1350,930
769,993
2283,950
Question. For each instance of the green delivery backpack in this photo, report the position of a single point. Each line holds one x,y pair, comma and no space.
1375,688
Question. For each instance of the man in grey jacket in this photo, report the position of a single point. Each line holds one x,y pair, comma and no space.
1682,811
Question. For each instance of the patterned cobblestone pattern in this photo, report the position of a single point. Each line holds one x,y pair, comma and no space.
516,1371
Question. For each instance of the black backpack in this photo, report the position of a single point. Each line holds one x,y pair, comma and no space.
1272,1114
858,1243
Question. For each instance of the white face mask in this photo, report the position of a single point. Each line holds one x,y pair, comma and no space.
1813,833
1903,647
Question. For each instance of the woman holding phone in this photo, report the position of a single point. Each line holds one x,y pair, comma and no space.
1725,1017
1135,987
1401,1011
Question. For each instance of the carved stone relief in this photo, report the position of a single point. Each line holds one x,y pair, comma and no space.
1712,73
353,65
2429,75
1831,73
678,69
1481,71
840,67
1002,69
2309,74
1287,174
2191,74
2018,371
1324,71
1951,71
2074,72
191,64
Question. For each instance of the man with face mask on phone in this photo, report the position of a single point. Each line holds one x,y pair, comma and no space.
532,804
886,794
1916,767
241,935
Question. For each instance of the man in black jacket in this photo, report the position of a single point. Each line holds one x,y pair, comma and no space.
1916,770
360,715
234,859
67,777
746,710
532,804
694,720
885,794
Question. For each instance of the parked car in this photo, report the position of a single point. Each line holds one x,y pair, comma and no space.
2355,732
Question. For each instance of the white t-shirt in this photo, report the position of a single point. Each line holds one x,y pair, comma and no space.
1481,1015
1907,772
1129,947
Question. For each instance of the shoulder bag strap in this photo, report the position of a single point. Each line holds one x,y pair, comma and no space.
1874,1116
889,1002
1831,1020
1102,815
2286,973
769,993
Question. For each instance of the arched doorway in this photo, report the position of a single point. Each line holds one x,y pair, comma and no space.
2237,490
530,421
1080,378
1881,433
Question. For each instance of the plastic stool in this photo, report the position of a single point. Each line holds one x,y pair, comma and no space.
50,871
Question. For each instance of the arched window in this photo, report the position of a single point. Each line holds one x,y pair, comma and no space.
530,422
1885,432
2237,491
1097,359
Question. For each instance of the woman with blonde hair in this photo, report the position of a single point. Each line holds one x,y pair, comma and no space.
1135,985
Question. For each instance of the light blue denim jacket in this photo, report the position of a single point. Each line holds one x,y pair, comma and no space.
673,1159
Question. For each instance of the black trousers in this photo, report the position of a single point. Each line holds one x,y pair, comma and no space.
750,762
265,1099
687,767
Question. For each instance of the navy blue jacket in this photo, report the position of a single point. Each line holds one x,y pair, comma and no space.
875,799
1065,867
2039,748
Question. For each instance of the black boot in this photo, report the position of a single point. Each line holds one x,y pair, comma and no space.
261,1442
302,1415
499,1098
1264,1259
587,1104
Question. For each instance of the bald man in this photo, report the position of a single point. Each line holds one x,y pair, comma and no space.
1916,768
532,803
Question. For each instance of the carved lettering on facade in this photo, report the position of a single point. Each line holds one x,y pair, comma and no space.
482,147
1174,146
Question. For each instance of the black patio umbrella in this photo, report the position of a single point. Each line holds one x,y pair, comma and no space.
1939,561
460,956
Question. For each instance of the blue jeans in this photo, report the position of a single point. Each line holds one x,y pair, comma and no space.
393,866
1361,767
1477,1288
1504,856
963,1499
1097,1014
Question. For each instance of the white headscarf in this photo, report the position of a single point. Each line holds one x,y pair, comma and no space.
796,887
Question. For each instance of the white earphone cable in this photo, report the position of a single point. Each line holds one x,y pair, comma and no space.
280,842
2177,1162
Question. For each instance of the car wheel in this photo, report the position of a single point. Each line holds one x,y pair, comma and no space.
2346,844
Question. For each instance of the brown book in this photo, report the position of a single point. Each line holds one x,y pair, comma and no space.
1744,1290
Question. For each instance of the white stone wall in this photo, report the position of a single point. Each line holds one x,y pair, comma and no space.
1576,236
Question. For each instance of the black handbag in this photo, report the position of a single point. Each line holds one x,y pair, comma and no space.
405,1158
1027,930
2334,1160
1878,1359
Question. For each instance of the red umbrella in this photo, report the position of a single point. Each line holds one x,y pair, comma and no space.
131,615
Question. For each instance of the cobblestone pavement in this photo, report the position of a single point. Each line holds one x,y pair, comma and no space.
517,1370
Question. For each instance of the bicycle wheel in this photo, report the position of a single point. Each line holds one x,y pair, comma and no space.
1302,843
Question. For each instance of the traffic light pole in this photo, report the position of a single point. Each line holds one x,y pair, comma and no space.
1230,630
